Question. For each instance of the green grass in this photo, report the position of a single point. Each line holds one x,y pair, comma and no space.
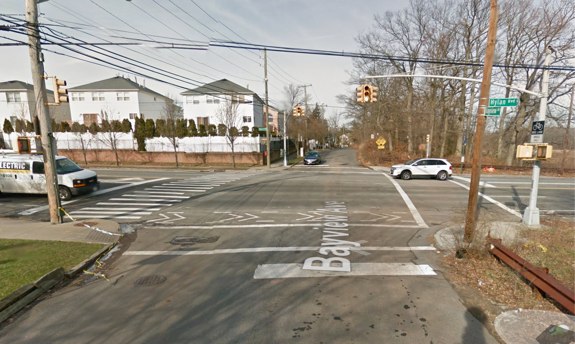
24,261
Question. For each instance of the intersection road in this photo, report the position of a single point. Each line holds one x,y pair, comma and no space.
315,254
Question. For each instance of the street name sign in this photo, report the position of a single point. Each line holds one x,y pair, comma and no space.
493,111
503,102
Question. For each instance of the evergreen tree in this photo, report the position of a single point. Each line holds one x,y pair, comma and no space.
7,127
255,132
160,128
212,130
222,129
202,130
140,134
192,129
150,128
245,131
126,125
65,127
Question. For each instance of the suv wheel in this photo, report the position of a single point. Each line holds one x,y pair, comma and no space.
442,175
405,175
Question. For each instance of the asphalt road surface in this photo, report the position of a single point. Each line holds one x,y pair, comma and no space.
335,253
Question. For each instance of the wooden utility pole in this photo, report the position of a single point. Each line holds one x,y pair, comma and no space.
41,101
472,211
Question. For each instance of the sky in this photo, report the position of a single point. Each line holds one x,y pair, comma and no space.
319,24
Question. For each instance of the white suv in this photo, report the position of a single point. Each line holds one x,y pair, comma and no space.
426,167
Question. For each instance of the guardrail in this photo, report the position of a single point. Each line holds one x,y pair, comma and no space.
537,276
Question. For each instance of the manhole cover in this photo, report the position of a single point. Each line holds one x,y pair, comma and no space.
150,281
191,240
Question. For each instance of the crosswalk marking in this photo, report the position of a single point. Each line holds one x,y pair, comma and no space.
137,203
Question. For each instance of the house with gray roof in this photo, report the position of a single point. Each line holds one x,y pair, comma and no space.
117,98
205,103
17,101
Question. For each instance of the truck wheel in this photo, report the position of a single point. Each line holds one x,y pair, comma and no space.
64,193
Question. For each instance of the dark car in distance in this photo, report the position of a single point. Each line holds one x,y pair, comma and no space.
312,158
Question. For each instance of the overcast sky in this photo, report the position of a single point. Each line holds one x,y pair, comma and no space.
317,24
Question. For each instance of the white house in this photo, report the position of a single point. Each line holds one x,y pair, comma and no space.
204,104
17,101
117,98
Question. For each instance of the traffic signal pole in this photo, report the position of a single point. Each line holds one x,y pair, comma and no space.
531,213
41,101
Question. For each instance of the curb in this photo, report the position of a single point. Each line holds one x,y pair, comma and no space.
27,294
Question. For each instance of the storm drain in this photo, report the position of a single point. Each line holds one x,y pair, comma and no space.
150,281
192,240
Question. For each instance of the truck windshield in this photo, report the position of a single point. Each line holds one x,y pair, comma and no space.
64,166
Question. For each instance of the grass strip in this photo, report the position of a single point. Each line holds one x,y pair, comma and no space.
24,261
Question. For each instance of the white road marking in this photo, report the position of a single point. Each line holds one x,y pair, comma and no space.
416,215
157,196
146,199
269,271
107,212
179,189
487,198
140,204
127,209
106,217
283,225
513,196
271,249
155,192
465,179
95,193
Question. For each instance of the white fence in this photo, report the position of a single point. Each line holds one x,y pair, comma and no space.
208,144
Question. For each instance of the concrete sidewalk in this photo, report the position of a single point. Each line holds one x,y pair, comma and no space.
90,231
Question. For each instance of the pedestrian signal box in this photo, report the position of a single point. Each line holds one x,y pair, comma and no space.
534,151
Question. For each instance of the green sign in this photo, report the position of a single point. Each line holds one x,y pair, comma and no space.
503,102
493,111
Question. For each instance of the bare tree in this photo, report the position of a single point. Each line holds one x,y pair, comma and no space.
229,116
173,129
110,136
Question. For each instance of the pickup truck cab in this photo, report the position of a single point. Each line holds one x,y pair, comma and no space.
24,173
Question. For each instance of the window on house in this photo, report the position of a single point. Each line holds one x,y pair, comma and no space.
203,121
77,96
122,96
238,98
13,97
212,100
98,96
247,119
90,118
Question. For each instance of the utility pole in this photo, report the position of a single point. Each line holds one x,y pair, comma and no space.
46,136
531,213
305,117
471,216
267,114
567,129
285,138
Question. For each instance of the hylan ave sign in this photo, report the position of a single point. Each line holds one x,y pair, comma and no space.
503,102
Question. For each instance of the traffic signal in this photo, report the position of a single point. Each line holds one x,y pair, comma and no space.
60,93
359,90
298,111
366,93
374,90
